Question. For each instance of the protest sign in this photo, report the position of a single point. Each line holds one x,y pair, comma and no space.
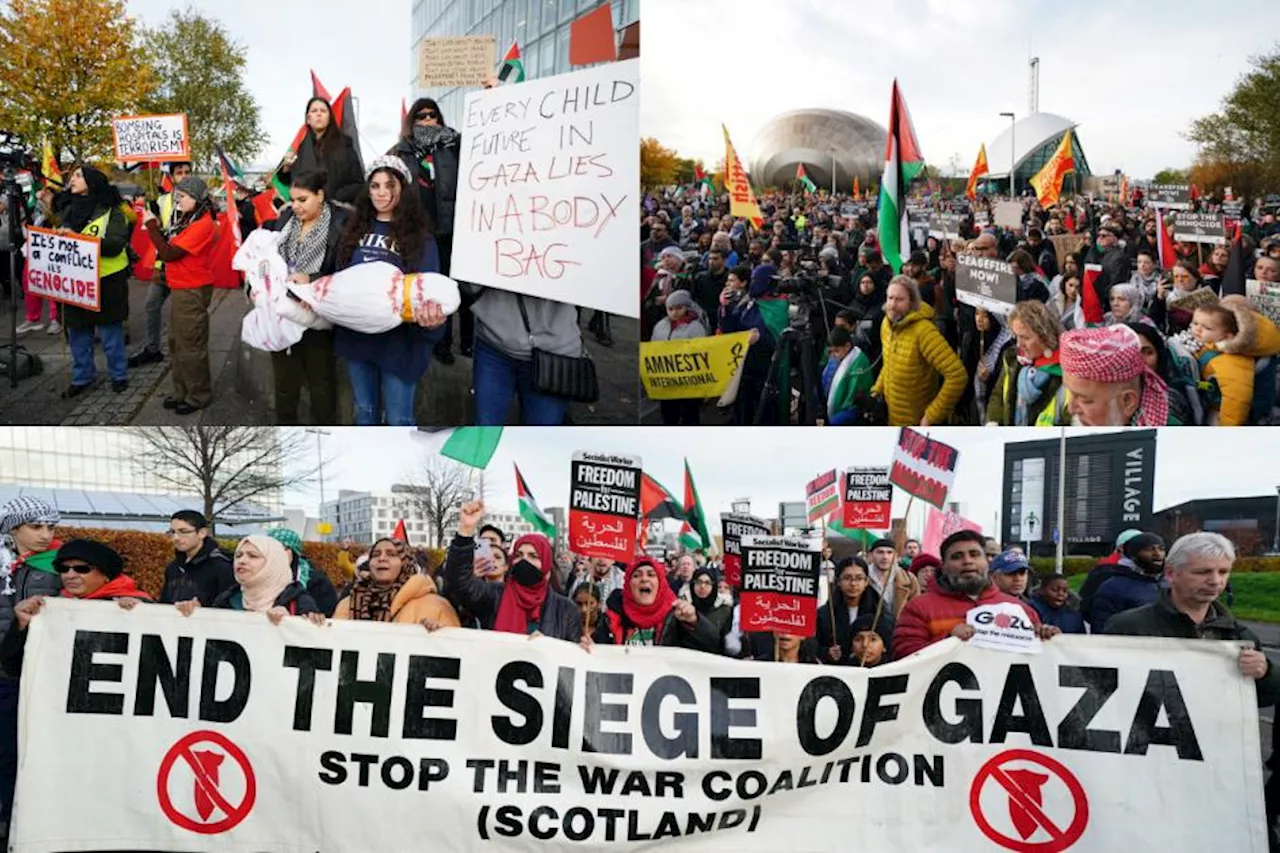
939,525
986,283
222,731
924,467
455,60
64,267
143,139
694,368
1233,209
780,584
1171,196
1200,228
1003,627
1009,214
547,188
945,226
1067,244
868,497
1194,299
604,505
1265,296
982,219
822,495
733,528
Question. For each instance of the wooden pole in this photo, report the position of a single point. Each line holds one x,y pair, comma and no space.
832,591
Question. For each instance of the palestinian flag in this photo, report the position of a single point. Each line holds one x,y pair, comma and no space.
229,237
264,208
803,179
318,90
512,65
693,508
903,163
400,534
473,446
689,540
1168,254
656,502
857,534
529,509
344,117
701,180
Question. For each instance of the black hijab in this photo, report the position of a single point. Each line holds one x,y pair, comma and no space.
1152,334
76,211
706,604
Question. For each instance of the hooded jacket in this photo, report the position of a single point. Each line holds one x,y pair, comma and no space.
1231,362
417,600
914,352
1125,588
204,577
930,617
560,617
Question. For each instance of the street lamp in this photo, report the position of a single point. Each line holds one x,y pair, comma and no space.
1013,152
319,434
1275,542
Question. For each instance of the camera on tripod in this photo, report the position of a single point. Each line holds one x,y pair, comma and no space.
15,155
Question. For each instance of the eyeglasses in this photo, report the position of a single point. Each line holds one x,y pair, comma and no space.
78,568
182,532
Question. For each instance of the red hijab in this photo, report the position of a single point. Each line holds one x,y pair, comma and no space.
521,604
649,616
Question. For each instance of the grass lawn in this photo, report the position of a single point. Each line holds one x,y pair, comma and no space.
1256,599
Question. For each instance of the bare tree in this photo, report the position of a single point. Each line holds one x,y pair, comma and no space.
437,488
227,466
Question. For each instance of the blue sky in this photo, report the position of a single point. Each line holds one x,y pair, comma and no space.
1133,74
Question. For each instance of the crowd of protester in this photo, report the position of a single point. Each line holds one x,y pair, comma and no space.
1139,346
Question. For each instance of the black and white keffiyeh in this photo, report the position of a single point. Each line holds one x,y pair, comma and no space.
14,514
304,253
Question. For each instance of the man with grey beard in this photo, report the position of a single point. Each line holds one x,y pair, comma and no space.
963,584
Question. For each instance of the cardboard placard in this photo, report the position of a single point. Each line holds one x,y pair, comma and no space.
924,467
780,584
1009,214
734,527
144,139
1200,228
1067,244
822,495
1193,300
1171,196
448,61
604,505
1265,296
64,267
986,283
868,498
547,188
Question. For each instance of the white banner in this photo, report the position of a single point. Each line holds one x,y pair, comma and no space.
64,267
547,188
224,732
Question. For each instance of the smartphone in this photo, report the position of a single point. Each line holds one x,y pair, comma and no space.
484,554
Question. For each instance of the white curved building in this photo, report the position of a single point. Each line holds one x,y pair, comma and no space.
821,140
1030,142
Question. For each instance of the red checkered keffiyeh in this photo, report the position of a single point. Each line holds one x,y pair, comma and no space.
1113,354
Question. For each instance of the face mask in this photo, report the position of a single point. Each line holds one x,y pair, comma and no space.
427,135
525,573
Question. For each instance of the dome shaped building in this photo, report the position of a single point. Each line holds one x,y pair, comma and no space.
1031,141
821,140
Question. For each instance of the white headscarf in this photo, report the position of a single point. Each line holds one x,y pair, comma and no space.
261,589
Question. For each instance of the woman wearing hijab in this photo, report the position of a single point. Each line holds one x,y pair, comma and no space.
704,594
264,584
855,598
394,591
646,612
1125,301
325,147
1185,405
185,248
523,602
93,207
389,225
317,584
310,229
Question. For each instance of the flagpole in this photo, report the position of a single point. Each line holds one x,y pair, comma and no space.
1062,498
831,593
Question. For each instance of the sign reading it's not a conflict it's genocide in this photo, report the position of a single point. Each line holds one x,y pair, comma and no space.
547,188
224,732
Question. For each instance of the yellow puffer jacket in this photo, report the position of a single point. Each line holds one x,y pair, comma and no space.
914,353
1257,338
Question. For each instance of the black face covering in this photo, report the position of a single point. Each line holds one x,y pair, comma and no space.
525,573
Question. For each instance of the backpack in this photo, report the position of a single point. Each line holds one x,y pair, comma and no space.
29,364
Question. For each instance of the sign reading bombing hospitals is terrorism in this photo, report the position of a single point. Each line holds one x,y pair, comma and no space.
222,731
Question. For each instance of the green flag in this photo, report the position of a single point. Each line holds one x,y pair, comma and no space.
529,509
903,162
472,446
696,518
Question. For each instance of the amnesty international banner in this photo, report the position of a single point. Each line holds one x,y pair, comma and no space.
694,368
223,732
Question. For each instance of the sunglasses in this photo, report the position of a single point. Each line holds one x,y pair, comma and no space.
426,114
78,568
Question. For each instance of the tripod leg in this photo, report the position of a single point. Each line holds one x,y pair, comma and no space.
770,382
808,382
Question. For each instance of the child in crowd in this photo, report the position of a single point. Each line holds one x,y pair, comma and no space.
1232,337
846,377
1052,602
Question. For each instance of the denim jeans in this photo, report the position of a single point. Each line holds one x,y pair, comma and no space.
377,392
497,377
83,371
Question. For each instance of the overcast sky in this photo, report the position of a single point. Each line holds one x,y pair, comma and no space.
1133,74
361,45
773,465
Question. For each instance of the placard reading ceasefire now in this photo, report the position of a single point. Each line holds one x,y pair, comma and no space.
547,187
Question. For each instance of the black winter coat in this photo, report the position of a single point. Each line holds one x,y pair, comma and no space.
866,607
114,288
560,617
337,222
439,196
346,173
27,582
203,577
702,636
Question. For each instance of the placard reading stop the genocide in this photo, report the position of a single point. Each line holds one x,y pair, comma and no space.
63,267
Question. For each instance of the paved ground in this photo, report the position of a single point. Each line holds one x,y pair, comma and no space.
242,380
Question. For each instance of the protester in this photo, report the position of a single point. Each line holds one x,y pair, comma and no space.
1173,363
1051,601
646,612
157,290
684,321
1108,383
872,641
915,353
395,591
1231,337
311,230
925,568
200,569
846,379
1030,392
855,599
316,583
524,603
894,584
704,593
264,584
93,207
326,148
589,601
997,347
1134,580
389,225
780,647
1011,574
963,584
185,247
741,314
604,574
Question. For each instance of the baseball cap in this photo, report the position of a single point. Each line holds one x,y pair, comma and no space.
1009,562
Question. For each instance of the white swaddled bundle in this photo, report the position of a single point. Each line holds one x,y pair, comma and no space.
377,297
276,321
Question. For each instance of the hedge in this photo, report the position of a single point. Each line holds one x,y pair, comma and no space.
146,554
1081,565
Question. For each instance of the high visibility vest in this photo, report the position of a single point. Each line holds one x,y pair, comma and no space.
165,203
98,228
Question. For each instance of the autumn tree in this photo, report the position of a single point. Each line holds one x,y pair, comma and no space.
1241,141
67,67
200,72
1172,177
658,164
435,491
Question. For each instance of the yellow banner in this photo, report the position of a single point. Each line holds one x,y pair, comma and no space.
691,369
742,201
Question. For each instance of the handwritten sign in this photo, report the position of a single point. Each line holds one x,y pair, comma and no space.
923,467
604,505
1192,300
1172,196
986,283
141,139
455,60
868,497
822,495
548,185
1009,214
63,267
1200,228
780,584
734,527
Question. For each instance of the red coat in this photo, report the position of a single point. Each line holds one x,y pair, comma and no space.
930,617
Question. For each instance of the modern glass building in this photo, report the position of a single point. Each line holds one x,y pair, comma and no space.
1032,141
540,26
